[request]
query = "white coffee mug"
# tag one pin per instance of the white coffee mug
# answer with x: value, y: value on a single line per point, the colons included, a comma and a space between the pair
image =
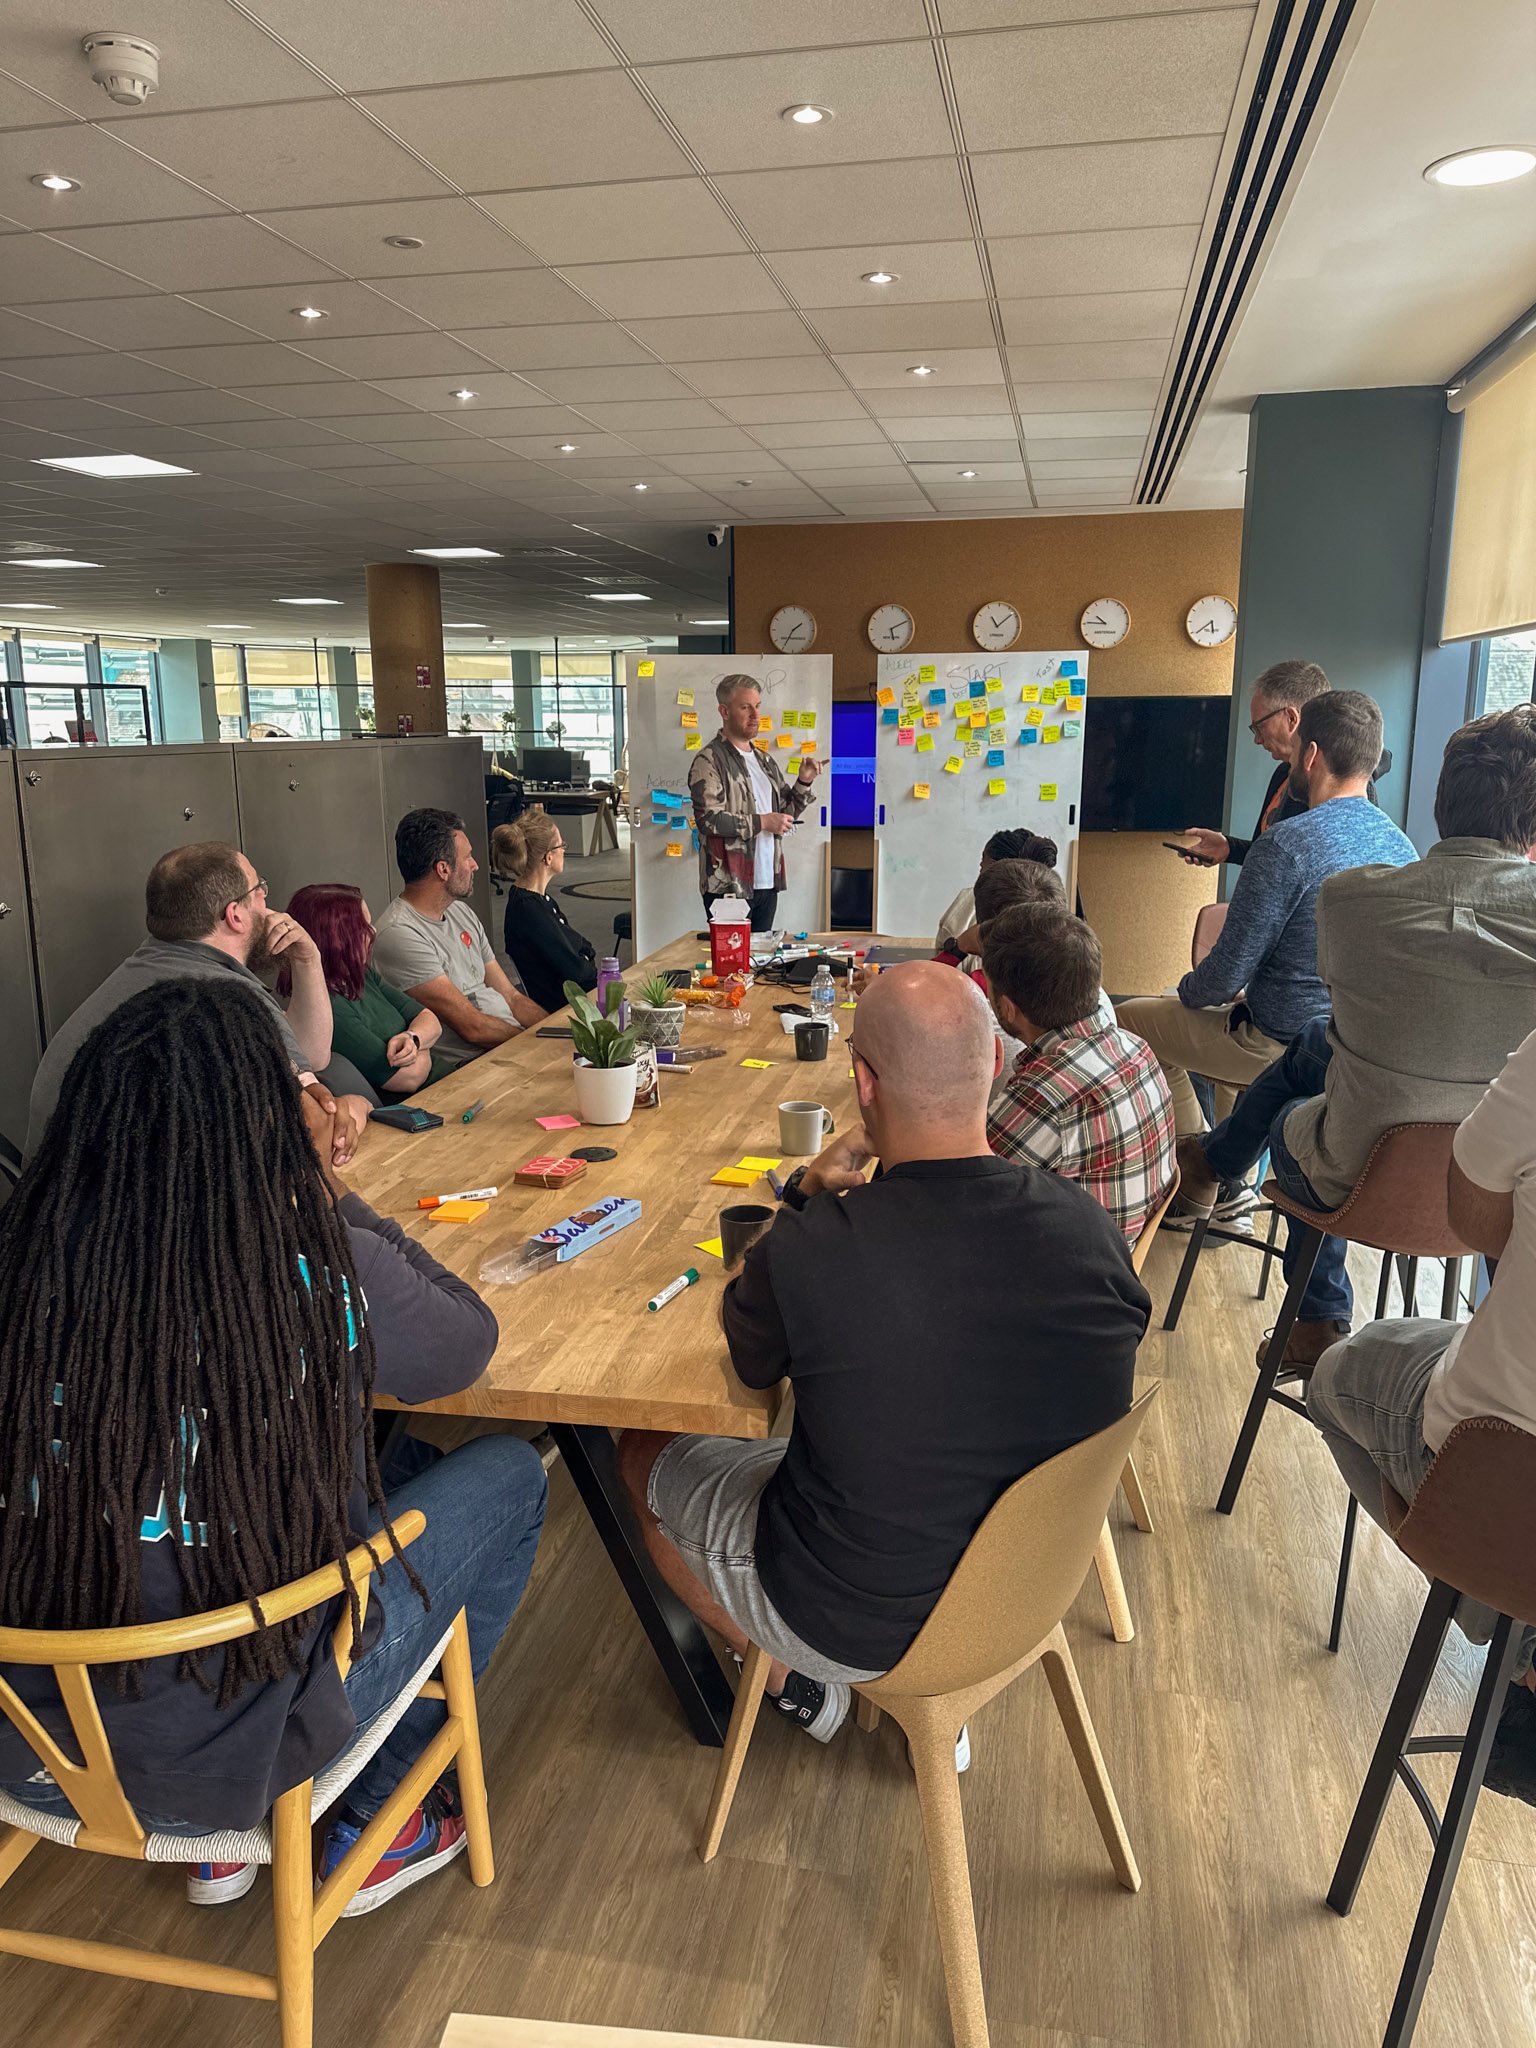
x: 802, y: 1127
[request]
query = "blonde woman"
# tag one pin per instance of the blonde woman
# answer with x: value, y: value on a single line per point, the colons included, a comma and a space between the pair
x: 540, y: 940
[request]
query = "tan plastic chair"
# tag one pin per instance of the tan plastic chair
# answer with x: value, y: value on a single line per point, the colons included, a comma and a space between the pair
x: 1209, y: 919
x: 1105, y: 1558
x: 1000, y: 1613
x: 108, y: 1825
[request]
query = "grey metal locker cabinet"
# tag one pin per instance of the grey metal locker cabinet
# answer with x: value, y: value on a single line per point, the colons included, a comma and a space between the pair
x: 310, y: 813
x: 445, y: 775
x: 20, y: 1038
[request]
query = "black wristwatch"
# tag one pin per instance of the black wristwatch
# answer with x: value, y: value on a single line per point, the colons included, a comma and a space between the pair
x: 795, y: 1196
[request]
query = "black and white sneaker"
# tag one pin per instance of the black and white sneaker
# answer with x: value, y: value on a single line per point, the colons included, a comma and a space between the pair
x: 1234, y: 1207
x: 820, y: 1709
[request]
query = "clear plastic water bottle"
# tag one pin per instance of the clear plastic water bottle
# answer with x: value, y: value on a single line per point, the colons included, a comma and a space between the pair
x: 823, y: 994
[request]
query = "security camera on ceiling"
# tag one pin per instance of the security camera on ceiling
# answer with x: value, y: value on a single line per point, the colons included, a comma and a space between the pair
x: 126, y: 67
x: 717, y: 536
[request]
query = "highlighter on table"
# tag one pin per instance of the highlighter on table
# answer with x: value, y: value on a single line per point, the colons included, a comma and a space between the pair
x: 462, y: 1195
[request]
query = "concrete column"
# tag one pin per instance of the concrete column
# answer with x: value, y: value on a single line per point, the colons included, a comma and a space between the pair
x: 189, y: 710
x: 344, y: 681
x: 405, y: 634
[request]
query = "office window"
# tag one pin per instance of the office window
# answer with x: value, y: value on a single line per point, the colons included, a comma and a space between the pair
x: 130, y: 688
x: 229, y: 693
x: 289, y: 694
x: 366, y: 720
x: 479, y: 693
x: 577, y: 710
x: 1510, y: 671
x: 52, y: 671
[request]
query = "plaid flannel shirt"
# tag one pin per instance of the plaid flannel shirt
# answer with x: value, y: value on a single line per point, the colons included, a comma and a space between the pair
x: 1089, y: 1102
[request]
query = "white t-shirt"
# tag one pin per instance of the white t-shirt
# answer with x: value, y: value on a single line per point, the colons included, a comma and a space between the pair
x: 765, y: 800
x: 1490, y: 1365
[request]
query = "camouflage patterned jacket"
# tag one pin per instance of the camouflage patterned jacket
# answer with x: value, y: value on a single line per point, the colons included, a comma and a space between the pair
x: 725, y: 813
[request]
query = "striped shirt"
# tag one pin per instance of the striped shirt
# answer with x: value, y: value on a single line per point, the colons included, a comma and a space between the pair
x: 1089, y: 1102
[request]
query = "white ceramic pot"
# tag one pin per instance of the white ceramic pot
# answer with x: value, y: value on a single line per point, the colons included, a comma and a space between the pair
x: 604, y: 1095
x: 661, y: 1026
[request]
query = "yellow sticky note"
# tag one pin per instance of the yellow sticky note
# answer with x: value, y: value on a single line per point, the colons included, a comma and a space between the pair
x: 692, y: 743
x: 1047, y: 792
x: 1033, y: 717
x: 784, y: 741
x: 927, y: 673
x: 688, y: 720
x: 683, y: 696
x: 997, y: 716
x: 925, y: 743
x: 1050, y: 736
x: 712, y: 1245
x: 997, y: 786
x: 750, y: 1165
x: 953, y: 765
x: 807, y: 746
x: 732, y: 1176
x: 808, y: 720
x: 458, y: 1212
x: 994, y: 686
x: 931, y: 718
x: 1030, y: 694
x: 1074, y: 703
x: 885, y: 696
x: 920, y: 789
x: 759, y: 1063
x: 646, y: 668
x: 761, y: 746
x: 791, y: 718
x: 674, y: 849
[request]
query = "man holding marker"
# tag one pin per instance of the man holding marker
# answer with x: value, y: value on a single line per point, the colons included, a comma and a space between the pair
x: 743, y: 805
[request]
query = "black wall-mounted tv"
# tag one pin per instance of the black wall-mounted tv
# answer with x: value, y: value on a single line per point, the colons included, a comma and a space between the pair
x: 1154, y: 764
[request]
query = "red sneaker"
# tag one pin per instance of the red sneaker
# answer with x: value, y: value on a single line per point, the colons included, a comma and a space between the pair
x: 432, y: 1837
x: 219, y: 1884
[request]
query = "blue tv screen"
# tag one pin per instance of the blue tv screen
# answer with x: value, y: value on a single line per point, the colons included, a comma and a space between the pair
x: 853, y: 764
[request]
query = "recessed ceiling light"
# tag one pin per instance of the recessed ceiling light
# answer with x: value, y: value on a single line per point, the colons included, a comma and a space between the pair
x: 619, y: 597
x: 51, y: 562
x: 404, y: 242
x: 112, y: 465
x: 967, y: 472
x: 466, y: 394
x: 880, y: 276
x: 27, y: 608
x: 463, y: 625
x: 640, y: 487
x: 1495, y: 165
x: 709, y: 622
x: 568, y: 447
x: 54, y: 181
x: 459, y: 554
x: 920, y: 370
x: 805, y: 115
x: 229, y: 626
x: 306, y: 600
x: 310, y: 313
x: 745, y: 482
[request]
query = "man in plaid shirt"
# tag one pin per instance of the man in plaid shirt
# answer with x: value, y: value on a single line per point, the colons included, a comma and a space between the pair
x: 1086, y: 1098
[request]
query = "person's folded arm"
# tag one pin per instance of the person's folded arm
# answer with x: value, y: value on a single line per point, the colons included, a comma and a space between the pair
x: 754, y: 1328
x: 432, y: 1334
x: 1494, y: 1147
x: 523, y: 1007
x: 1267, y: 892
x: 453, y: 1008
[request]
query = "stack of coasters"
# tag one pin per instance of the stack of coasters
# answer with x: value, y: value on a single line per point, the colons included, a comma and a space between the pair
x: 552, y: 1172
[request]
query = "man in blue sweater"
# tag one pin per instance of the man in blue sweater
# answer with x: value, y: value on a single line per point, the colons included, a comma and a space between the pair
x: 1259, y: 987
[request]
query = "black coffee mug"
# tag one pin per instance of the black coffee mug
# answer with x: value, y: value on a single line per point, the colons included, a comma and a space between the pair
x: 811, y: 1038
x: 740, y: 1226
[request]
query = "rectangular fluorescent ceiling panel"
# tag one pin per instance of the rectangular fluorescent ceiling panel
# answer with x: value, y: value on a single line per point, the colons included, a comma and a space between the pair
x: 306, y: 600
x: 463, y: 625
x: 29, y: 607
x: 709, y: 622
x: 619, y: 597
x: 49, y: 562
x: 459, y: 554
x: 112, y: 465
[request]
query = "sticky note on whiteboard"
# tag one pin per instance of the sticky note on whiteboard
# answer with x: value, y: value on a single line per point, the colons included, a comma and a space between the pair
x: 920, y: 791
x: 683, y: 696
x: 1074, y: 703
x: 1028, y: 736
x: 691, y: 743
x: 1051, y: 735
x: 925, y: 743
x: 997, y: 715
x: 1030, y: 694
x: 808, y: 719
x: 994, y: 685
x: 932, y: 718
x: 935, y: 696
x: 997, y: 786
x: 1068, y: 668
x: 1072, y: 730
x: 953, y: 765
x: 890, y: 714
x: 905, y: 737
x: 1047, y: 792
x: 807, y: 746
x: 928, y: 673
x: 994, y: 757
x: 977, y: 690
x: 674, y: 849
x: 646, y: 668
x: 688, y: 720
x: 1035, y: 717
x: 784, y: 741
x: 661, y: 817
x: 886, y: 696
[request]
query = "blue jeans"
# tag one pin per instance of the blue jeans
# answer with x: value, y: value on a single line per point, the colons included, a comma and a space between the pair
x: 484, y: 1505
x: 1257, y: 1121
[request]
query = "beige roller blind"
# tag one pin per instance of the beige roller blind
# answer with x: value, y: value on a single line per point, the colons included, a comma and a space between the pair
x: 1491, y: 586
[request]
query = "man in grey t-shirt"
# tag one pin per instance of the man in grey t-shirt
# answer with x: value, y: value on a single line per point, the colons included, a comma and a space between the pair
x: 432, y: 945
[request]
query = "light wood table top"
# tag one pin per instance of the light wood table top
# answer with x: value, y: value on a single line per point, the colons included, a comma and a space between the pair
x: 578, y: 1344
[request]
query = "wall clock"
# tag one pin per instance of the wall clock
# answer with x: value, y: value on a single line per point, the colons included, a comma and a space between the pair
x: 890, y: 629
x: 1105, y: 622
x: 792, y: 629
x: 1211, y: 621
x: 996, y: 626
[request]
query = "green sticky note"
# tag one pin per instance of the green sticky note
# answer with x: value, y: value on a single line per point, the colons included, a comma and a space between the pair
x: 925, y: 743
x: 994, y: 685
x: 928, y: 673
x: 1072, y: 730
x: 997, y: 715
x: 953, y: 765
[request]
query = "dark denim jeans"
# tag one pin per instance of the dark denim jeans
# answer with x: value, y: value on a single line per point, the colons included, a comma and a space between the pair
x: 1258, y: 1120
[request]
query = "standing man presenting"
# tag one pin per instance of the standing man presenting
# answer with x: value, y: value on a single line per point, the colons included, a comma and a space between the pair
x: 743, y: 805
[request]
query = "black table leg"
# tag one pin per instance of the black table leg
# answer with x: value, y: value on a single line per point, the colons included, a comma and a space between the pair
x: 692, y: 1669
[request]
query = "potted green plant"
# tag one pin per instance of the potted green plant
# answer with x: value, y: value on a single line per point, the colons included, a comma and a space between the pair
x: 656, y: 1013
x: 604, y: 1056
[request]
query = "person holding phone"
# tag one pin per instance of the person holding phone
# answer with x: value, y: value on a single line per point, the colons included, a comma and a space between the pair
x: 744, y: 806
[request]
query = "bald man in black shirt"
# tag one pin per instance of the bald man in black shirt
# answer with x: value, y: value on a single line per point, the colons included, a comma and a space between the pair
x: 829, y: 1550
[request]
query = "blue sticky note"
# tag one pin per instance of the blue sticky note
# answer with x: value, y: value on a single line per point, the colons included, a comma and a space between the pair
x: 660, y: 796
x: 680, y: 825
x: 994, y: 757
x: 1067, y: 668
x: 889, y: 715
x: 978, y: 689
x: 661, y: 817
x: 1028, y: 736
x: 935, y: 696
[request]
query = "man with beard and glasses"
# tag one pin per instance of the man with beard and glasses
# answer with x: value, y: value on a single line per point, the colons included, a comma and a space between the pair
x: 431, y: 944
x: 205, y: 908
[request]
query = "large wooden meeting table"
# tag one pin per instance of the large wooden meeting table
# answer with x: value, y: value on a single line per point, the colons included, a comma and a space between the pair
x: 579, y: 1348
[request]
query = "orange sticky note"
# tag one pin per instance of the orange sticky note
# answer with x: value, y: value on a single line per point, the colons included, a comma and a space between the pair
x: 458, y: 1212
x: 784, y: 741
x: 688, y: 720
x: 920, y: 790
x: 674, y: 849
x: 885, y: 696
x: 807, y: 746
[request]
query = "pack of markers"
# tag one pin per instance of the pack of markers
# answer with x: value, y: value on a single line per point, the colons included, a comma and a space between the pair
x: 561, y: 1242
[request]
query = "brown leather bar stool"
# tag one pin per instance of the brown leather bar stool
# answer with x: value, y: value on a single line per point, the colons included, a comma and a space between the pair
x: 1468, y: 1530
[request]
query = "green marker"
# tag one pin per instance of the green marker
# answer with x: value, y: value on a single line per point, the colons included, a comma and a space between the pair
x: 683, y: 1281
x: 473, y: 1111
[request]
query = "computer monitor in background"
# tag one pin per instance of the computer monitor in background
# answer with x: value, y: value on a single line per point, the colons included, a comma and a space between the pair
x: 1154, y: 764
x: 853, y: 764
x: 547, y: 764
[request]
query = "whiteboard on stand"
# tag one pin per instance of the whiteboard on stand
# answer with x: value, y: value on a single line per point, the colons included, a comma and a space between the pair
x: 663, y: 690
x: 938, y: 803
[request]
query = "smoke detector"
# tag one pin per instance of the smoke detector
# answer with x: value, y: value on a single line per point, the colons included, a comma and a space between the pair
x: 126, y: 67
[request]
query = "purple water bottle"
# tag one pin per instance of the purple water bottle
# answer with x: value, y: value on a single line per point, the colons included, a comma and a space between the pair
x: 608, y: 970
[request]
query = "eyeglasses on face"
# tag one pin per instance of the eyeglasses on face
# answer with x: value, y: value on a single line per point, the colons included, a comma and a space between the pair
x: 855, y: 1054
x: 259, y: 886
x: 1255, y: 723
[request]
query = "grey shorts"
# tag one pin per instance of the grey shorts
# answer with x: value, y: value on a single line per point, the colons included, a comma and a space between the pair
x: 704, y: 1491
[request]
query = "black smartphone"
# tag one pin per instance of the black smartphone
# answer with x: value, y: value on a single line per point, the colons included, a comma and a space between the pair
x: 404, y: 1118
x: 790, y: 1010
x: 1185, y: 853
x: 553, y: 1031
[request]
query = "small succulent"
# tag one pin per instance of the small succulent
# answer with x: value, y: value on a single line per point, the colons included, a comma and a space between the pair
x: 595, y: 1034
x: 656, y: 993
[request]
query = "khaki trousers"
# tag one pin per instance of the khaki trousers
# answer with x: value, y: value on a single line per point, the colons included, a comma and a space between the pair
x: 1198, y: 1042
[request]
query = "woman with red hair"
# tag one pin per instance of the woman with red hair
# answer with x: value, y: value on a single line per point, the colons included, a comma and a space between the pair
x: 386, y: 1035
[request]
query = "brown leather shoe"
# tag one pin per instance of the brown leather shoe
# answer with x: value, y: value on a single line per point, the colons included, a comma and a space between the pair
x: 1198, y: 1186
x: 1305, y: 1346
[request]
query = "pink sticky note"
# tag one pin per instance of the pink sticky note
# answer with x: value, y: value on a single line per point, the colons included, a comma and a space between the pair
x: 559, y: 1123
x: 905, y: 737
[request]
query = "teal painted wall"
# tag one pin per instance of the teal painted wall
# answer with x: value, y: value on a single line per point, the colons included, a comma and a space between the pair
x: 1336, y: 557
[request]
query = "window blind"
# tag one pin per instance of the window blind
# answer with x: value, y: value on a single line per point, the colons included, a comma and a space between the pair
x: 1491, y: 581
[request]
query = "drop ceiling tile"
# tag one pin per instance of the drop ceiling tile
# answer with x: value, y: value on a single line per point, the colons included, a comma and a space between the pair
x: 944, y: 475
x: 643, y: 380
x: 655, y: 413
x: 1099, y: 81
x: 394, y: 356
x: 1047, y: 361
x: 965, y: 324
x: 868, y: 455
x: 593, y: 446
x: 911, y: 199
x: 924, y: 272
x: 490, y: 424
x: 1092, y: 316
x: 459, y: 449
x: 517, y: 132
x: 455, y: 236
x: 196, y: 255
x: 578, y: 345
x: 976, y: 428
x: 1080, y: 471
x: 964, y: 14
x: 924, y: 401
x: 557, y: 420
x: 1073, y: 189
x: 1086, y: 447
x: 692, y: 440
x: 256, y: 362
x: 859, y: 478
x: 1055, y: 426
x: 378, y: 43
x: 724, y: 466
x: 653, y: 30
x: 68, y: 416
x: 1109, y: 260
x: 794, y: 405
x: 1110, y: 393
x: 350, y: 309
x: 116, y: 184
x: 491, y: 298
x: 320, y: 401
x: 728, y: 110
x: 37, y: 269
x: 748, y: 378
x: 301, y: 436
x: 196, y: 408
x: 794, y: 437
x: 103, y: 375
x: 679, y: 284
x: 616, y: 223
x: 21, y: 337
x: 154, y: 322
x: 20, y: 108
x: 256, y: 158
x: 1083, y: 494
x: 500, y: 398
x: 892, y: 371
x: 724, y: 337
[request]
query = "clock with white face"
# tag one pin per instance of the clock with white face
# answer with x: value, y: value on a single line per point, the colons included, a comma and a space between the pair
x: 890, y: 629
x: 792, y: 629
x: 996, y: 626
x: 1105, y: 622
x: 1211, y: 621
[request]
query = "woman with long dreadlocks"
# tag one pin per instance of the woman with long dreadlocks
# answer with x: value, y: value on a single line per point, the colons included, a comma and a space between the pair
x: 197, y: 1317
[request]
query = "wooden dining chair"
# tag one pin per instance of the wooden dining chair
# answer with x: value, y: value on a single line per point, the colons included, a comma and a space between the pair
x: 105, y: 1823
x: 1000, y: 1612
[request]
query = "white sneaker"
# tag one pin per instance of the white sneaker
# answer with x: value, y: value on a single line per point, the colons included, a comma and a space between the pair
x: 218, y: 1884
x: 962, y: 1750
